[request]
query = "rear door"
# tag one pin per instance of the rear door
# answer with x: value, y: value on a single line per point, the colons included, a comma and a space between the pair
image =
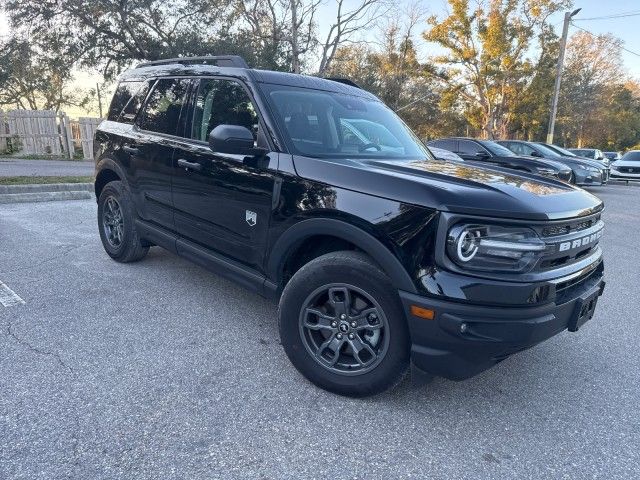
x: 150, y: 150
x: 223, y: 202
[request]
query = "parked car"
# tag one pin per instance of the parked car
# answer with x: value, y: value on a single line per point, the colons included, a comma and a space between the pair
x: 442, y: 154
x: 490, y: 153
x: 376, y: 256
x: 613, y: 156
x: 628, y: 167
x: 583, y: 172
x: 591, y: 154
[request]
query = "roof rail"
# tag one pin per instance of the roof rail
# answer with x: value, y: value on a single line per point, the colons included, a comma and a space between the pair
x: 218, y: 60
x: 346, y: 81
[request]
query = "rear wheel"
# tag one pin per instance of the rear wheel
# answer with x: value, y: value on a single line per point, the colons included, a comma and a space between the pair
x: 116, y: 222
x: 342, y: 325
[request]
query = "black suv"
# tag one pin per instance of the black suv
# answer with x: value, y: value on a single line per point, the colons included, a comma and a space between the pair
x: 313, y: 193
x: 487, y: 151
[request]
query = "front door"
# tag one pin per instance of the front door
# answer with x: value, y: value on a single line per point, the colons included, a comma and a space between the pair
x: 470, y: 150
x: 222, y: 201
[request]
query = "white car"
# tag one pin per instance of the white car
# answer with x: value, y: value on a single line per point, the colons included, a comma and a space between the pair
x: 628, y: 167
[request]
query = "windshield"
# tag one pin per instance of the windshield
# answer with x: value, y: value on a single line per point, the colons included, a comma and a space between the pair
x: 633, y: 156
x: 329, y: 124
x: 583, y: 152
x: 547, y: 152
x: 563, y: 151
x: 497, y: 149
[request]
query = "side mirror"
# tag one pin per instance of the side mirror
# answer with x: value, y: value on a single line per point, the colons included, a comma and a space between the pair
x: 482, y: 154
x: 234, y: 139
x: 534, y: 153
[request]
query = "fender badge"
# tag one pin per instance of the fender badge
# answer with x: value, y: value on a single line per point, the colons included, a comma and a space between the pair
x: 251, y: 218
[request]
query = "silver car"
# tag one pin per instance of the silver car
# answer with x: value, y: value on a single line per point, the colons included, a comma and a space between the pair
x: 628, y: 167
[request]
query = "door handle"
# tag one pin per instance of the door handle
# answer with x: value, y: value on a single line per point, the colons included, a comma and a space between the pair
x: 131, y: 150
x: 189, y: 165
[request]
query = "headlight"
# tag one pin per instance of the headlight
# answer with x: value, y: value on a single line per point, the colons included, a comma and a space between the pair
x: 494, y: 248
x: 591, y: 170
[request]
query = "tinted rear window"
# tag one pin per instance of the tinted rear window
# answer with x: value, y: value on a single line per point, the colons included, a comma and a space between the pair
x: 127, y: 100
x: 161, y: 113
x: 444, y: 144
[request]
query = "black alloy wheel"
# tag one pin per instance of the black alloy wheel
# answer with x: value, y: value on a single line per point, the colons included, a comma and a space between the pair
x: 113, y: 222
x: 344, y: 329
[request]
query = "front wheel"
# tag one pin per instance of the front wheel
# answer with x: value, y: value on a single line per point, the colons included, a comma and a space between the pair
x: 342, y: 325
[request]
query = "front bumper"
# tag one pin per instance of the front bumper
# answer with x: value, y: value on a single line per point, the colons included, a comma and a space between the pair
x: 625, y: 175
x: 588, y: 178
x: 464, y: 339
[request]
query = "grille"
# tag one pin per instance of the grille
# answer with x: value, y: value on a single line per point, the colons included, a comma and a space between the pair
x: 569, y: 241
x: 630, y: 169
x: 569, y: 227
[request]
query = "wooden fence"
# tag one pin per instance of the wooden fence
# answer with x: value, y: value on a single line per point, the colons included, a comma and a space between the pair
x: 45, y: 132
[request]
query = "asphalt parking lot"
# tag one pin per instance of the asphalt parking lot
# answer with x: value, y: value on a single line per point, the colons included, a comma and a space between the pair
x: 163, y: 370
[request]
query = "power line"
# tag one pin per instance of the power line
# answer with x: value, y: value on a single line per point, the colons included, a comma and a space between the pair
x: 609, y: 41
x: 632, y: 13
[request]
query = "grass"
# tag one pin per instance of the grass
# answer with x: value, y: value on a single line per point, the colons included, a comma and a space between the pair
x: 40, y: 180
x: 76, y: 157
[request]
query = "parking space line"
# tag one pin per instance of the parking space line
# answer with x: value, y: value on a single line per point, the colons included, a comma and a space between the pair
x: 8, y: 297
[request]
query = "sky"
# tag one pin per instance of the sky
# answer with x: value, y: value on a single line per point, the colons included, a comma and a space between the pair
x: 625, y: 28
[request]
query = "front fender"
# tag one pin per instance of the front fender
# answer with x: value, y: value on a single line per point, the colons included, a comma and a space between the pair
x: 299, y: 232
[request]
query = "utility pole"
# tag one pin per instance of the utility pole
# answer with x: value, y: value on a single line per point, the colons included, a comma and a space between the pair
x: 556, y: 89
x: 99, y: 99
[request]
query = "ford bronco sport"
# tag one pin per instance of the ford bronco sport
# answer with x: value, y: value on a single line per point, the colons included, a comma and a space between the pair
x: 313, y: 193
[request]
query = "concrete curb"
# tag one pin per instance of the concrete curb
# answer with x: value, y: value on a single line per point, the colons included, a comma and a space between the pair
x: 47, y: 187
x: 45, y: 192
x: 630, y: 183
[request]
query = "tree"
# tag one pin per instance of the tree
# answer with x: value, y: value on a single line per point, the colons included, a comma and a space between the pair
x: 113, y: 34
x: 347, y: 23
x: 486, y: 61
x: 393, y: 72
x: 591, y: 75
x: 33, y: 79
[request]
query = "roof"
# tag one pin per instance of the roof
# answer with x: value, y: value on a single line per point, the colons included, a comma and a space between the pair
x: 162, y: 68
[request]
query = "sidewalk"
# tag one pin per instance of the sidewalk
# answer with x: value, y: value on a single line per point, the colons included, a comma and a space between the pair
x: 18, y: 167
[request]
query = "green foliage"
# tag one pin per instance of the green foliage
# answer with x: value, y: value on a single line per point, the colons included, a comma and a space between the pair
x: 34, y: 78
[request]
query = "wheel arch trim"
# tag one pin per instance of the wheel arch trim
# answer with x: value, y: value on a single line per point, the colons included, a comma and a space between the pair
x: 108, y: 164
x: 299, y: 232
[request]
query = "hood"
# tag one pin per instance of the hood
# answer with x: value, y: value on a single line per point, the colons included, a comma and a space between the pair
x: 626, y: 163
x: 547, y: 161
x: 454, y: 187
x: 583, y: 161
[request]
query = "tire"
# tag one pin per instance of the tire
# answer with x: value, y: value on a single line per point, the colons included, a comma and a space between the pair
x: 120, y: 239
x: 309, y: 318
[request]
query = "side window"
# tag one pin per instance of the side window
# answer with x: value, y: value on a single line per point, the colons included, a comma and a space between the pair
x: 514, y: 147
x: 127, y: 100
x: 162, y: 110
x: 522, y: 149
x: 444, y: 144
x: 468, y: 147
x: 222, y: 102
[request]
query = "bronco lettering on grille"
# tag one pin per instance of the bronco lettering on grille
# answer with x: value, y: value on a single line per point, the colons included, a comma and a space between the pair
x: 580, y: 242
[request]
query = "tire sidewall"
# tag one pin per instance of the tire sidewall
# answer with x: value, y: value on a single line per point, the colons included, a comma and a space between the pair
x: 116, y: 189
x: 364, y: 275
